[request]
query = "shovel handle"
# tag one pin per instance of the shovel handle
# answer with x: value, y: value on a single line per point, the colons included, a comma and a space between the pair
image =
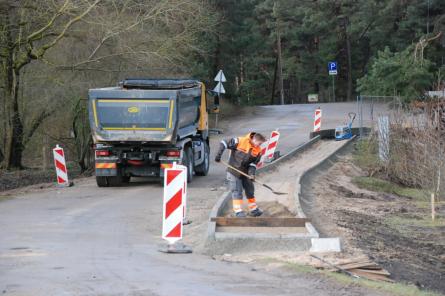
x: 252, y: 178
x: 236, y: 170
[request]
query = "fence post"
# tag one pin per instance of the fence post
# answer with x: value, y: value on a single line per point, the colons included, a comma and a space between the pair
x: 360, y: 114
x: 383, y: 128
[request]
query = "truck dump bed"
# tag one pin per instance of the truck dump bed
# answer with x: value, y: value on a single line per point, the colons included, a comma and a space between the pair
x: 145, y: 110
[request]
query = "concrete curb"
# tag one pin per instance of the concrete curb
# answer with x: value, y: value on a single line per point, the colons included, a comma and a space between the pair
x: 322, y: 163
x: 215, y: 212
x: 297, y: 196
x: 301, y: 148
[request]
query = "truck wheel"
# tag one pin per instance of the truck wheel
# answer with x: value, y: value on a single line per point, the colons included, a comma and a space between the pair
x: 101, y: 181
x: 126, y: 179
x: 203, y: 168
x: 188, y: 162
x: 115, y: 181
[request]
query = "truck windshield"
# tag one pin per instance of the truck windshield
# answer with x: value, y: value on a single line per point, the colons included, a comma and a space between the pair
x: 121, y: 114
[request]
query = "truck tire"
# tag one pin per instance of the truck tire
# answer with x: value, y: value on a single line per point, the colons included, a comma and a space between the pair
x: 188, y: 163
x: 203, y: 168
x: 126, y: 179
x: 101, y: 181
x: 114, y: 181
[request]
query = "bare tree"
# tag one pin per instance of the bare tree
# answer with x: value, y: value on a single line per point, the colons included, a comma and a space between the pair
x: 28, y: 29
x: 87, y: 36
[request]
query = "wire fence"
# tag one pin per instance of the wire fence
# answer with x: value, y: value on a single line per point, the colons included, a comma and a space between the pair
x: 410, y: 140
x: 370, y: 107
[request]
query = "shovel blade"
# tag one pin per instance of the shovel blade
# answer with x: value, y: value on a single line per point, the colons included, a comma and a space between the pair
x: 273, y: 191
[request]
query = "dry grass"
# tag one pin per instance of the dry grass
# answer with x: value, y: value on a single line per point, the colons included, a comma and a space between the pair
x: 416, y: 153
x: 379, y: 185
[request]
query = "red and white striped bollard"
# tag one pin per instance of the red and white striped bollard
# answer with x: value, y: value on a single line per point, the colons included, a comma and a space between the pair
x: 260, y: 164
x: 272, y: 145
x: 317, y: 120
x: 175, y: 180
x: 60, y: 164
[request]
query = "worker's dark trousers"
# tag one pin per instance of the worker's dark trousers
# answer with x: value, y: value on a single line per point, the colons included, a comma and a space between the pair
x: 236, y: 186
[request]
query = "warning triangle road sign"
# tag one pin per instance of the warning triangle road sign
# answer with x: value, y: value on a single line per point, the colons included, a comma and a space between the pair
x: 219, y: 88
x: 220, y: 76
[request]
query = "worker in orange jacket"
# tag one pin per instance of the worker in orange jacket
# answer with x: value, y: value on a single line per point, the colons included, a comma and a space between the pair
x: 244, y: 156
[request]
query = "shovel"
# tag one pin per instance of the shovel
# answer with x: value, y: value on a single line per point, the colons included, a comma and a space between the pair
x: 253, y: 179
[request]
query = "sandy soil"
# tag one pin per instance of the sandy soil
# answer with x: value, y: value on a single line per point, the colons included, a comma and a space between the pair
x: 362, y: 219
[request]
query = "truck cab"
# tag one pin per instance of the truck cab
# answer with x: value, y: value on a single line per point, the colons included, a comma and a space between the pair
x: 143, y: 126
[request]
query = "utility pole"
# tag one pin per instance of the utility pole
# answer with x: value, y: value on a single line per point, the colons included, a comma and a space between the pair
x: 219, y: 89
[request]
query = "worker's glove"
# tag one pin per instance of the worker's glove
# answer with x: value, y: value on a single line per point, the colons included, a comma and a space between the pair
x: 251, y: 171
x: 218, y: 158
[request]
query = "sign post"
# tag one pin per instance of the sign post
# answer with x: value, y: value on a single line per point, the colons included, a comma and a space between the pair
x: 219, y: 89
x: 332, y: 68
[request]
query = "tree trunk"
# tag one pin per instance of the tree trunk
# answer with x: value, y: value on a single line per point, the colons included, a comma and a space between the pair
x: 272, y: 97
x: 14, y: 125
x: 348, y: 52
x: 317, y: 68
x: 14, y: 147
x: 280, y: 67
x: 242, y: 74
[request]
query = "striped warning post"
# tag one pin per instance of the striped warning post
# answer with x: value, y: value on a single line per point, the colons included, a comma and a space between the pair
x: 260, y: 164
x: 184, y: 195
x: 317, y: 120
x: 174, y: 202
x: 59, y: 163
x: 272, y: 145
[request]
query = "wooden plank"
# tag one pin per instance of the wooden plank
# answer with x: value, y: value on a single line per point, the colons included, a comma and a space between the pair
x: 345, y: 262
x: 370, y: 276
x: 260, y: 222
x: 354, y: 260
x: 381, y: 271
x: 365, y: 265
x: 362, y: 267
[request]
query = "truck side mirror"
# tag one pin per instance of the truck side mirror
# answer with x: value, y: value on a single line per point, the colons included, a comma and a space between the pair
x: 215, y: 96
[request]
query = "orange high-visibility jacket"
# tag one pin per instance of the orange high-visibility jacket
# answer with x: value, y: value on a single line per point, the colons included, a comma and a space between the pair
x: 243, y: 154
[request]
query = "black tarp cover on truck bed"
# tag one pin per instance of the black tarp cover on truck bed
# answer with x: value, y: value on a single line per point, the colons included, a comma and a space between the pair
x: 138, y: 83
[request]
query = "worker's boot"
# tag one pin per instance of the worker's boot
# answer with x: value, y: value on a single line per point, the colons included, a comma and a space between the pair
x: 256, y: 212
x: 240, y: 214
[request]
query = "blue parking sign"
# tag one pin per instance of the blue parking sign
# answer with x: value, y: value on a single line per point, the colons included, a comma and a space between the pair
x: 332, y: 68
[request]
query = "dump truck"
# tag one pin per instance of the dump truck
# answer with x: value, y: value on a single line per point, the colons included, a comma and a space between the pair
x: 142, y: 126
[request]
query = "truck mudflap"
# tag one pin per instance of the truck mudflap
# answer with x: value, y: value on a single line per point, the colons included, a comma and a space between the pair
x: 106, y: 169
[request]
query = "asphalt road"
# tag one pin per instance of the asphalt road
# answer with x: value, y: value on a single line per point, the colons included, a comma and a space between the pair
x: 86, y: 240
